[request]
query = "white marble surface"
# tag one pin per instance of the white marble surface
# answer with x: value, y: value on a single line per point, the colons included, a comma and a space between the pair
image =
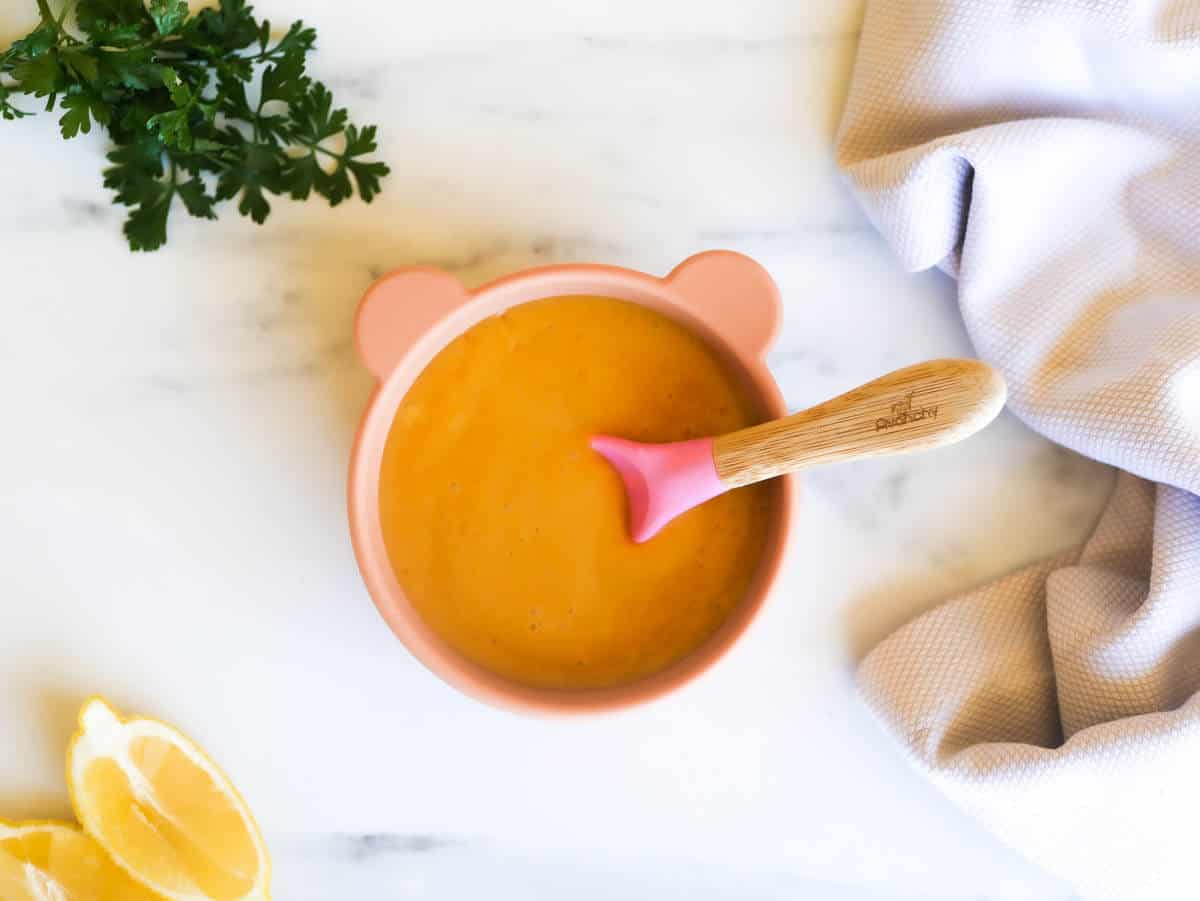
x: 176, y: 427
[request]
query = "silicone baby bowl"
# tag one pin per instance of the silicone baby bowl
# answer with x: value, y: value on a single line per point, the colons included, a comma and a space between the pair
x: 408, y: 316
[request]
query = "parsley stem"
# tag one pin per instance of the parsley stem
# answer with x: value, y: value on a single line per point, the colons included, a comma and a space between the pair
x: 317, y: 148
x: 267, y: 56
x: 57, y: 24
x: 66, y: 11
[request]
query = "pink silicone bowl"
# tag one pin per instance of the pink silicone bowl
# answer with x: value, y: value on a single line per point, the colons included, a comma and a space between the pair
x: 409, y: 315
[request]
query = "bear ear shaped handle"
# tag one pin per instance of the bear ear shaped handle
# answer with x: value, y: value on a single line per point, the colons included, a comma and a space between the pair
x: 728, y: 291
x: 734, y: 295
x: 398, y: 309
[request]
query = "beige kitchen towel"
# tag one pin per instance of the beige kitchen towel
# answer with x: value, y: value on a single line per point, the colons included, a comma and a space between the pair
x: 1047, y: 154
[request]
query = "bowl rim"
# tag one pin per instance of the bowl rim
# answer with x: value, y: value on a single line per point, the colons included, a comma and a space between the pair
x: 460, y: 313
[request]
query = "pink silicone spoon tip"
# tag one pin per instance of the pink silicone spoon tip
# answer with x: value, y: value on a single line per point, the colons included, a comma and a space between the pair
x: 661, y: 480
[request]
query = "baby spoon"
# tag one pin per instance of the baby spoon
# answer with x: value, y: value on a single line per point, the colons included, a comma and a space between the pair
x: 920, y: 407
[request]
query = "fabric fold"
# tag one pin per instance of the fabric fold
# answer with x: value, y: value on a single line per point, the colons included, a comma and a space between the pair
x: 1047, y: 154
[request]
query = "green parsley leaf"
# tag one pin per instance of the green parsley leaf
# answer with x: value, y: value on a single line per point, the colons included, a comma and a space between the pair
x: 230, y: 26
x: 136, y: 167
x: 7, y: 110
x: 173, y: 91
x: 285, y: 80
x: 181, y: 94
x: 315, y: 118
x: 300, y: 174
x: 80, y: 110
x: 368, y: 177
x: 83, y: 64
x: 40, y: 75
x: 93, y: 14
x: 114, y: 23
x: 258, y: 170
x: 254, y: 204
x: 168, y: 15
x: 133, y: 70
x: 298, y: 39
x: 146, y: 227
x: 137, y: 177
x: 36, y: 42
x: 174, y: 128
x: 196, y: 199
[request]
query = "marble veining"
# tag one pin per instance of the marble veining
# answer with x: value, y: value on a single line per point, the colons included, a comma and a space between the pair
x: 376, y: 844
x: 172, y: 471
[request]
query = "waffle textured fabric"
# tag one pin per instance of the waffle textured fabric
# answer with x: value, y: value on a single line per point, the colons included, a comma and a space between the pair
x: 1046, y: 153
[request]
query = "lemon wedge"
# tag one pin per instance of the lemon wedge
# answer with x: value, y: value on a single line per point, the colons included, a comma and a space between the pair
x: 163, y: 811
x: 40, y: 861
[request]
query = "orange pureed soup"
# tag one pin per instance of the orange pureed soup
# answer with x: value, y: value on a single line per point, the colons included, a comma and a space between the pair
x: 508, y: 533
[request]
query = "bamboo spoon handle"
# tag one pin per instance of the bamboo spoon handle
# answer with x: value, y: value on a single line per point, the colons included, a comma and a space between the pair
x: 921, y: 407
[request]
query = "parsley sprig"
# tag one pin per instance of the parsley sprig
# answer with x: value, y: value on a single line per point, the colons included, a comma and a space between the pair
x: 176, y: 93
